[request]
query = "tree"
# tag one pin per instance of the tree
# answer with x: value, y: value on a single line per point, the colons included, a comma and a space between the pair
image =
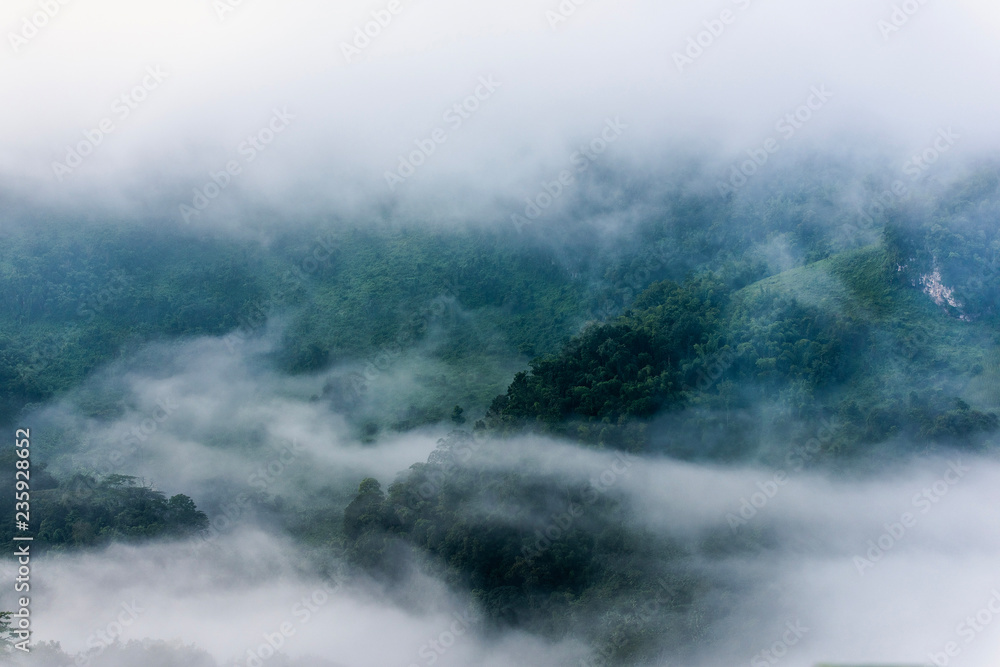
x: 365, y: 511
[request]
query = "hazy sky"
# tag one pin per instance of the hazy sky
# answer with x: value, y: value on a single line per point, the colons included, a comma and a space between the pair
x: 559, y: 82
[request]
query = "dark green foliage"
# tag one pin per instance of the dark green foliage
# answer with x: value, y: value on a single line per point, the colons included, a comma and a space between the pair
x: 959, y: 424
x: 85, y: 511
x: 364, y: 512
x: 510, y: 538
x: 389, y: 285
x: 611, y: 373
x: 781, y: 341
x: 75, y: 298
x: 817, y: 340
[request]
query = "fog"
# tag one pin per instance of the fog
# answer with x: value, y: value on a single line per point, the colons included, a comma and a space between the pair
x: 840, y: 565
x: 879, y: 566
x: 212, y: 418
x: 254, y: 584
x: 242, y: 117
x: 555, y: 85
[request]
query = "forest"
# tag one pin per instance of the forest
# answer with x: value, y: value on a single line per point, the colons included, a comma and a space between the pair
x: 682, y: 340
